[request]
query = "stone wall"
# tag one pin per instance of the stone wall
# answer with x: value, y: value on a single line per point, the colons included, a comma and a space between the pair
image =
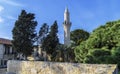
x: 39, y: 67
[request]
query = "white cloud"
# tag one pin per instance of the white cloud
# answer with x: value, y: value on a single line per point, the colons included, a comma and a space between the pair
x: 11, y: 17
x: 10, y: 2
x: 1, y: 8
x: 1, y: 20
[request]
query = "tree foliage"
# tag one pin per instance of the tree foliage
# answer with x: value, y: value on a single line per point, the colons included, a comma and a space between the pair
x: 103, y: 45
x: 44, y: 29
x: 24, y: 33
x: 79, y: 35
x: 63, y: 54
x: 51, y: 41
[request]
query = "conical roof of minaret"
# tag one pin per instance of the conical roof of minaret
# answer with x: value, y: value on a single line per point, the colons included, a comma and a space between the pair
x: 66, y: 10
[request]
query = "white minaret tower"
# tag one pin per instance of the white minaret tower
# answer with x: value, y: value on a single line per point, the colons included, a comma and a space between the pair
x: 67, y: 25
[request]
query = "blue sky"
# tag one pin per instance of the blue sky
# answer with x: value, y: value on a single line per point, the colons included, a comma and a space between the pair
x: 84, y: 14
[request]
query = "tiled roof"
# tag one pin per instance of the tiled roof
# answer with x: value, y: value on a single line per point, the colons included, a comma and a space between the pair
x: 5, y: 41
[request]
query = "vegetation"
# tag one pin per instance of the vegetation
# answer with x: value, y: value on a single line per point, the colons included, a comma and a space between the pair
x: 50, y: 44
x: 24, y: 33
x: 63, y: 54
x: 51, y: 40
x: 119, y: 72
x: 103, y: 45
x: 42, y: 33
x: 79, y: 35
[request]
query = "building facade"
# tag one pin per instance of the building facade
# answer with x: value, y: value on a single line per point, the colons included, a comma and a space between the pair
x: 6, y: 51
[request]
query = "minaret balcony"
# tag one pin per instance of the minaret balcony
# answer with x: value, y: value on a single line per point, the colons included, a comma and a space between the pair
x: 69, y: 23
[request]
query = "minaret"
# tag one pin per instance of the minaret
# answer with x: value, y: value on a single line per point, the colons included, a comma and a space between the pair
x: 67, y: 25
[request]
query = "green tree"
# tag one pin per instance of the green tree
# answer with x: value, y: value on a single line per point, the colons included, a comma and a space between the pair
x: 63, y: 54
x: 69, y: 52
x: 42, y: 33
x: 51, y: 41
x: 24, y: 33
x: 58, y: 54
x: 101, y: 56
x: 81, y: 52
x: 102, y: 46
x: 116, y: 56
x: 79, y: 35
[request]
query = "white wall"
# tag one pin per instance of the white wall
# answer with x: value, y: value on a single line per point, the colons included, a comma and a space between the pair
x: 1, y: 50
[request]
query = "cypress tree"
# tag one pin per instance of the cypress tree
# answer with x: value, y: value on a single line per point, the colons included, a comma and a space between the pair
x: 51, y: 41
x: 24, y: 33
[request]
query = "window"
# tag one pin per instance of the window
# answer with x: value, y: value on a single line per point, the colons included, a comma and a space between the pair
x: 7, y: 49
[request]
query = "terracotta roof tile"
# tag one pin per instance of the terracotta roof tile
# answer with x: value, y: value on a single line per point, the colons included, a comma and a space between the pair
x: 5, y: 41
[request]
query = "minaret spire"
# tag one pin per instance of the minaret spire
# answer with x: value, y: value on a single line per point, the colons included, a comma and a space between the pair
x: 67, y: 25
x: 66, y: 9
x: 66, y: 16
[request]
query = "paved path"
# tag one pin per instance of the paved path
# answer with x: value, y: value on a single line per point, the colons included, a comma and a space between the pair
x: 3, y: 70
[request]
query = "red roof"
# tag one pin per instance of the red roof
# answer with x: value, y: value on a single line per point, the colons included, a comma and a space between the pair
x: 5, y: 41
